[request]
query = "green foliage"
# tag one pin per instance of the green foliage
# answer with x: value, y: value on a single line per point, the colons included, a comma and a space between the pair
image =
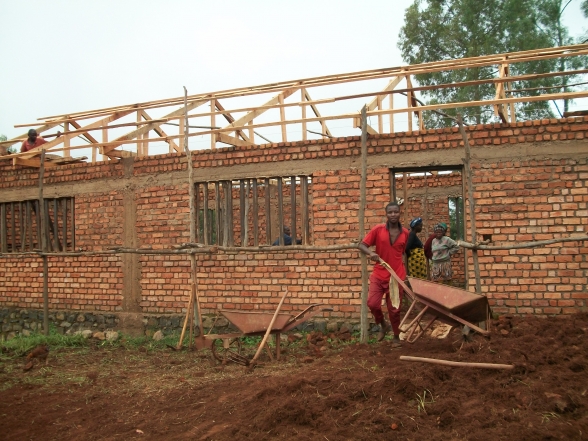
x: 452, y: 29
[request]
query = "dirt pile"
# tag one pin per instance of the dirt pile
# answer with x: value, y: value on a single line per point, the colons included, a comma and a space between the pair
x: 345, y: 392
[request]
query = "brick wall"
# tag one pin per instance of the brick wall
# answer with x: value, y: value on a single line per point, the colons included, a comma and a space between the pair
x: 530, y: 183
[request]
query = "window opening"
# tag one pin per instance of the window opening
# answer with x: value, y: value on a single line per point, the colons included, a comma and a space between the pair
x: 254, y: 211
x: 20, y: 225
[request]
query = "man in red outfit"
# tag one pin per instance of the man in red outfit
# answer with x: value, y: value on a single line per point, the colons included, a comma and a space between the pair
x: 32, y: 142
x: 390, y: 241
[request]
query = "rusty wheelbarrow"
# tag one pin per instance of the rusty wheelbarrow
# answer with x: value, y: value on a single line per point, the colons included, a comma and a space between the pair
x: 450, y: 305
x: 228, y: 347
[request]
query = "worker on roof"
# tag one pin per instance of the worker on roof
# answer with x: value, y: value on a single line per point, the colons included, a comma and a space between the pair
x: 32, y: 142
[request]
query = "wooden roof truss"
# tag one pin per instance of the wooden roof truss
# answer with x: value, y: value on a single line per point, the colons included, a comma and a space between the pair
x: 282, y: 112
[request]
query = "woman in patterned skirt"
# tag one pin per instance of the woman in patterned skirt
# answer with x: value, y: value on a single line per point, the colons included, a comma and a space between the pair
x: 443, y: 248
x: 417, y: 264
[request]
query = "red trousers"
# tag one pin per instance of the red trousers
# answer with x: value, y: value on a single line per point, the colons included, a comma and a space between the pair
x: 379, y: 288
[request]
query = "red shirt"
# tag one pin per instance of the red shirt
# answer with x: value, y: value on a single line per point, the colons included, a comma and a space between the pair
x: 390, y: 253
x: 26, y: 146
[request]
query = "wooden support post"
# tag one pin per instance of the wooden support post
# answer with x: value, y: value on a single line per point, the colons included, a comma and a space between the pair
x: 205, y: 215
x: 471, y: 200
x: 72, y: 224
x: 66, y: 141
x: 23, y: 226
x: 280, y: 211
x: 42, y: 231
x: 405, y: 194
x: 64, y: 222
x: 391, y: 115
x: 12, y: 228
x: 283, y: 117
x: 362, y: 204
x: 194, y: 298
x: 293, y: 204
x: 217, y: 209
x: 304, y: 209
x: 303, y: 109
x: 409, y: 102
x: 243, y: 219
x: 255, y: 213
x: 213, y: 123
x: 268, y: 212
x: 55, y: 224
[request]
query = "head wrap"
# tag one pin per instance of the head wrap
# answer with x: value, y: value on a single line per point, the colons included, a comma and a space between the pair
x: 416, y: 221
x: 441, y: 226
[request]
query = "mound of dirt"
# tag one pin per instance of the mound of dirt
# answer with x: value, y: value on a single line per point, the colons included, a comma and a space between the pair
x: 348, y: 392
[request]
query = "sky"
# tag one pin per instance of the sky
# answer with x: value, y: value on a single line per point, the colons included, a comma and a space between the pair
x: 65, y: 56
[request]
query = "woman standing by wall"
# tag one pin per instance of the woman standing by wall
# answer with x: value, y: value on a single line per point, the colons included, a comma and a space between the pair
x: 443, y: 248
x: 417, y: 264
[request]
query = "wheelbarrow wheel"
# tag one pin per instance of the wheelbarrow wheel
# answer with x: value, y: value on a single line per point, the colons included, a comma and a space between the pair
x: 228, y: 349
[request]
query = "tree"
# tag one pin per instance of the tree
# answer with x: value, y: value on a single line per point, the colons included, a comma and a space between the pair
x: 450, y: 29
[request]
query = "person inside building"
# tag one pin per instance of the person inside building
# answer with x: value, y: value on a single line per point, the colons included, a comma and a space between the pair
x: 32, y: 141
x: 443, y: 248
x: 287, y: 238
x: 415, y: 253
x: 390, y: 241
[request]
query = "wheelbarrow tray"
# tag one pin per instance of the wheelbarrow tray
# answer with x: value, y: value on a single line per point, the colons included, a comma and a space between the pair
x: 252, y: 322
x: 451, y: 301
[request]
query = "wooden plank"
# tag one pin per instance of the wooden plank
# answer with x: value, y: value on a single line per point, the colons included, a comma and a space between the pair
x: 231, y: 228
x: 231, y: 140
x: 199, y: 238
x: 255, y: 212
x: 303, y: 109
x: 293, y: 205
x: 280, y: 211
x: 217, y: 208
x: 213, y: 123
x: 34, y: 162
x: 283, y: 118
x: 226, y: 190
x: 268, y: 212
x: 28, y: 226
x: 206, y: 217
x: 243, y: 226
x: 305, y: 209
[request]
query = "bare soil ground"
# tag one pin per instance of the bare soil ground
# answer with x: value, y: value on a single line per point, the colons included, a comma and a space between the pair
x: 349, y: 392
